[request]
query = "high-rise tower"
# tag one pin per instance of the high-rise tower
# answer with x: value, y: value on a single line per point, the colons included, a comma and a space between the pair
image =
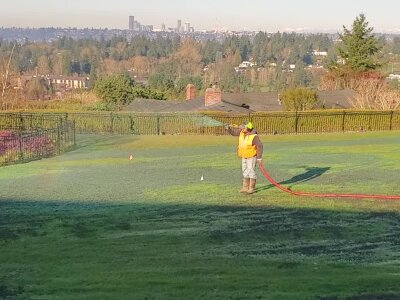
x: 131, y: 23
x: 187, y: 26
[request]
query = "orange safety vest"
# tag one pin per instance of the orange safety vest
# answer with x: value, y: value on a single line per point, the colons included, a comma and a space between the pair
x: 246, y: 149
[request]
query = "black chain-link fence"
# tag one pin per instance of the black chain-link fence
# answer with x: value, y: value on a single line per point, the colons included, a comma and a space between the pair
x: 212, y: 123
x: 27, y: 137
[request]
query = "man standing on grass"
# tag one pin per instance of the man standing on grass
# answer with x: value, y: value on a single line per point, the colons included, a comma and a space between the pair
x: 250, y: 149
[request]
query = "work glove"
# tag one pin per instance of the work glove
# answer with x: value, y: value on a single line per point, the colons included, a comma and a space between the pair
x: 259, y: 160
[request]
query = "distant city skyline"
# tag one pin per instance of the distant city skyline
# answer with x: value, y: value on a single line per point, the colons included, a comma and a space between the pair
x: 272, y: 16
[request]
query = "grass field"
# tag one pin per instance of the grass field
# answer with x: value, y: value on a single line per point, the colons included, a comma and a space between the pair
x: 91, y: 224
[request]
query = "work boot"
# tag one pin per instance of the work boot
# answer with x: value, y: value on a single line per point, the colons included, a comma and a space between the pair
x: 252, y: 186
x: 245, y: 186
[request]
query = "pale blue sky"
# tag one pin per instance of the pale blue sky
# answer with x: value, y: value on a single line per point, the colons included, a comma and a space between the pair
x: 316, y: 15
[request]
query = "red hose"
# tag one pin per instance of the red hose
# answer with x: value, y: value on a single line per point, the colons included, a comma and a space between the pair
x: 286, y: 190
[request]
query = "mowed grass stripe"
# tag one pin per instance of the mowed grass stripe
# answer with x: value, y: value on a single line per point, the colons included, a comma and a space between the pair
x: 92, y: 224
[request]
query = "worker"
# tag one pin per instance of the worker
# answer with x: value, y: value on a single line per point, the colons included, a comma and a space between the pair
x: 250, y: 150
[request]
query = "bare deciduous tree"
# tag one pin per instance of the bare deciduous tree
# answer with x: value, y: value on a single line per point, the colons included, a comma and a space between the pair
x: 5, y: 73
x: 375, y: 94
x: 189, y: 58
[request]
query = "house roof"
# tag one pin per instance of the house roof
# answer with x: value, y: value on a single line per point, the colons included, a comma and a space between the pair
x: 270, y: 101
x: 336, y: 99
x: 148, y: 105
x: 239, y: 103
x: 255, y: 101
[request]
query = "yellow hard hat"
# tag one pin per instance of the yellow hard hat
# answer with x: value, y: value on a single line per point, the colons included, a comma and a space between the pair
x: 249, y: 125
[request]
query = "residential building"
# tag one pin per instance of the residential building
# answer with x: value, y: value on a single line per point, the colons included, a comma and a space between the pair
x: 68, y: 82
x: 394, y: 77
x: 320, y: 53
x: 58, y: 82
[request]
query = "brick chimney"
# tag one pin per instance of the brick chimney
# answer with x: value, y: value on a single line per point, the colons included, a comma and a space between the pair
x: 212, y: 96
x: 190, y: 92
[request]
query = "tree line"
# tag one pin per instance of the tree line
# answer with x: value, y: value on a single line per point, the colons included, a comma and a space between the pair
x: 171, y: 62
x: 167, y: 64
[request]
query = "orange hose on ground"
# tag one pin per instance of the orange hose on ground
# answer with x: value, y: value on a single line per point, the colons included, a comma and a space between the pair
x: 286, y: 190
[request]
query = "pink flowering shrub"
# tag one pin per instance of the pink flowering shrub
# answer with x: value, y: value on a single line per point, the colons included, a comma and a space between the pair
x: 31, y: 146
x: 7, y: 133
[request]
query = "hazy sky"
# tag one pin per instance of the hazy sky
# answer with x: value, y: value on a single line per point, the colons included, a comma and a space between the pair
x: 316, y: 15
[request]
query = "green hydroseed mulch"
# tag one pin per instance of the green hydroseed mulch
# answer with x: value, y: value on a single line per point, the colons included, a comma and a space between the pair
x: 92, y: 224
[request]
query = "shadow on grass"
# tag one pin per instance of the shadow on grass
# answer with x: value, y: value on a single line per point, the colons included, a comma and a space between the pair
x: 309, y: 174
x: 243, y: 245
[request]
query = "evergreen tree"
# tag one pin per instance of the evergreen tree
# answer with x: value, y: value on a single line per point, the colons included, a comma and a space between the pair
x: 359, y: 47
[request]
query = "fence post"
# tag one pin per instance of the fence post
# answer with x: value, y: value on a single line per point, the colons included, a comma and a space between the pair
x: 203, y: 121
x: 20, y: 129
x: 158, y: 124
x: 62, y: 133
x: 131, y: 125
x: 343, y: 120
x: 21, y: 152
x: 73, y: 132
x: 369, y: 121
x: 21, y: 122
x: 296, y: 123
x: 111, y: 122
x: 391, y: 120
x: 58, y: 140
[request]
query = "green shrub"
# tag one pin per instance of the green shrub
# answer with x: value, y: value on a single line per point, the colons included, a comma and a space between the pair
x: 114, y: 89
x: 299, y: 99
